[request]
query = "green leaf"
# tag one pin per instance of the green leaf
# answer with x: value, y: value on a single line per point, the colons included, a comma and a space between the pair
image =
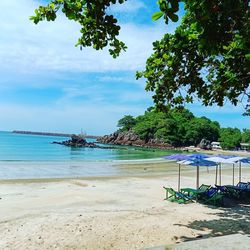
x: 157, y: 15
x: 247, y: 56
x: 173, y: 17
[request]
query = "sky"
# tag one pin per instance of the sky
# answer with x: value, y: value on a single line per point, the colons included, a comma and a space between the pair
x: 48, y: 84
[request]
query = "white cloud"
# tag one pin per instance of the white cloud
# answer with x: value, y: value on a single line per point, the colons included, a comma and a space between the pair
x: 95, y: 93
x: 136, y: 96
x: 130, y: 6
x: 30, y: 49
x: 128, y: 79
x: 116, y: 79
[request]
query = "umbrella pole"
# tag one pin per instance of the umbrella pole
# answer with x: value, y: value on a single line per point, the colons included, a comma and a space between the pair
x: 220, y: 174
x: 240, y: 172
x: 179, y: 178
x: 233, y: 174
x: 216, y: 174
x: 197, y: 178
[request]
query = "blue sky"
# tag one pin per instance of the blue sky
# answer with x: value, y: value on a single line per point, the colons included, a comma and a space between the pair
x: 47, y: 84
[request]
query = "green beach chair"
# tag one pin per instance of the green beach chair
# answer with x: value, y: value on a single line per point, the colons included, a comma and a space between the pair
x: 215, y: 200
x: 174, y: 196
x: 195, y: 193
x: 204, y: 187
x: 212, y: 196
x: 240, y: 191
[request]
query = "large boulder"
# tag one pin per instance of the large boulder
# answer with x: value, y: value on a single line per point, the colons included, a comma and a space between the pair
x: 205, y: 144
x: 76, y: 139
x: 131, y: 139
x: 79, y: 141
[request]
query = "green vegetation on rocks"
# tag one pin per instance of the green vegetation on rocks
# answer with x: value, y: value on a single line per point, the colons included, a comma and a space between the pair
x: 246, y: 136
x: 181, y: 128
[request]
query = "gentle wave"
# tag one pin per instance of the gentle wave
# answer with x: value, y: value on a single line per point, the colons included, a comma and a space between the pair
x: 33, y: 156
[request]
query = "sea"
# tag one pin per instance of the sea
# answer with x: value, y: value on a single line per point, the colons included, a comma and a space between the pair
x: 25, y: 156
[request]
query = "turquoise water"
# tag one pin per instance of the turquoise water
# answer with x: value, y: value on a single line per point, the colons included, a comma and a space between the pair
x: 33, y: 156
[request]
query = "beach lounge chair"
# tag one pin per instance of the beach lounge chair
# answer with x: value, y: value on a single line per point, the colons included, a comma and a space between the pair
x: 243, y: 185
x: 215, y: 200
x: 245, y: 189
x: 212, y: 196
x: 204, y: 187
x: 241, y: 190
x: 174, y: 196
x: 222, y: 189
x: 194, y: 193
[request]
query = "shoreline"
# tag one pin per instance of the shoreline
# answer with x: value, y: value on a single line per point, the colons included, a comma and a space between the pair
x: 125, y: 212
x: 118, y: 169
x: 132, y: 169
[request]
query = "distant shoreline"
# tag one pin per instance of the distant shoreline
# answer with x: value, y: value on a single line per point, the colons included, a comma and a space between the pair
x: 48, y: 134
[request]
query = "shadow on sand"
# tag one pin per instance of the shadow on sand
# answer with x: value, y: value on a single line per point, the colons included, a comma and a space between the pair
x: 231, y: 221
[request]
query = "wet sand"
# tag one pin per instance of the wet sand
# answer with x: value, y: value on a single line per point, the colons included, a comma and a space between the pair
x: 126, y: 212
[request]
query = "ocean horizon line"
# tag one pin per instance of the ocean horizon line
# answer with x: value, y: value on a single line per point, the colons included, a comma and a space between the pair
x: 45, y: 133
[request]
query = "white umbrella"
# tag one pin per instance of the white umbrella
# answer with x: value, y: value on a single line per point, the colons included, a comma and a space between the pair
x: 217, y: 160
x: 197, y: 163
x: 232, y: 160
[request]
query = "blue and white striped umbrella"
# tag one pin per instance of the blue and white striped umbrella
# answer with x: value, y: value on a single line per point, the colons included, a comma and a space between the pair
x: 197, y: 163
x: 245, y: 160
x: 176, y: 157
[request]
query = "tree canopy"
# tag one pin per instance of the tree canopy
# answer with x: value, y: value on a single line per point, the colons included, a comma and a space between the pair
x: 207, y: 57
x: 182, y: 128
x: 246, y: 136
x: 178, y: 128
x: 126, y: 123
x: 230, y: 138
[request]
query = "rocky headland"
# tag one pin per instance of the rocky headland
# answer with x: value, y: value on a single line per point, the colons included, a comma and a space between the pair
x: 128, y: 138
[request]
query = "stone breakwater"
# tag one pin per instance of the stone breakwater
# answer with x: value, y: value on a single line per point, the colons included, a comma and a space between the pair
x: 131, y: 139
x: 48, y: 134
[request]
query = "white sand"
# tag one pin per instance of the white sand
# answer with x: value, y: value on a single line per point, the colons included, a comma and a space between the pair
x: 111, y: 213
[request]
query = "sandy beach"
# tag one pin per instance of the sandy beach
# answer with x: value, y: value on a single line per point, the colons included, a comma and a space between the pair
x: 113, y: 213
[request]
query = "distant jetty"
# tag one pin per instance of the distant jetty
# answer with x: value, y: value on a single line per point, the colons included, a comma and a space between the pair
x: 49, y: 134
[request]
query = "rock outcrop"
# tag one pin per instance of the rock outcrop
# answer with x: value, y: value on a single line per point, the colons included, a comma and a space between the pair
x: 78, y: 141
x: 205, y: 144
x: 130, y: 139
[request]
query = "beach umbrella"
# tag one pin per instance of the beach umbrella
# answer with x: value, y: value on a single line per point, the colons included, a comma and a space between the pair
x: 179, y: 158
x: 176, y: 157
x: 197, y: 163
x: 244, y: 160
x: 225, y: 156
x: 240, y: 160
x: 199, y: 156
x: 218, y: 160
x: 236, y: 159
x: 228, y: 159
